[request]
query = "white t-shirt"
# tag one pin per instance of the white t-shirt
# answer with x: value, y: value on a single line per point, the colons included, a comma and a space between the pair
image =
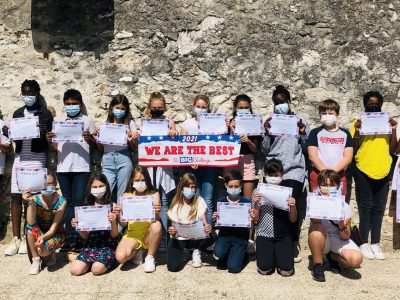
x: 191, y: 126
x: 180, y: 213
x: 3, y: 140
x: 75, y: 157
x: 113, y: 148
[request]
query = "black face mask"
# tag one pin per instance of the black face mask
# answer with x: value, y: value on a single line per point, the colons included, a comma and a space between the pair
x: 156, y: 113
x: 373, y: 108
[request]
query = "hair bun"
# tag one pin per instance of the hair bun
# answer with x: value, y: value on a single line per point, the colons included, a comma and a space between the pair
x: 280, y: 88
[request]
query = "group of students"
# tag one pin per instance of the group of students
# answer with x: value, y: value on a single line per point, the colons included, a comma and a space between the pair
x: 320, y: 155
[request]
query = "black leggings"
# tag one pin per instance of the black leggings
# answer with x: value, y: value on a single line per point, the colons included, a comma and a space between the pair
x: 176, y: 250
x: 274, y: 253
x: 301, y: 205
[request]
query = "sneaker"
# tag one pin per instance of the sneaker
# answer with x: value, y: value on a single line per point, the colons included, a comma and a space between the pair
x: 196, y: 258
x: 67, y: 246
x: 318, y: 273
x: 297, y: 252
x: 251, y: 248
x: 377, y: 251
x: 35, y: 266
x: 79, y: 244
x: 367, y: 251
x: 13, y: 246
x: 51, y: 260
x: 334, y: 266
x: 149, y: 264
x: 138, y: 258
x: 23, y: 249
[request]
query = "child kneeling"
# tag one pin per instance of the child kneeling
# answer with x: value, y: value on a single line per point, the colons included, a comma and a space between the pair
x: 331, y: 237
x: 274, y: 240
x: 231, y: 246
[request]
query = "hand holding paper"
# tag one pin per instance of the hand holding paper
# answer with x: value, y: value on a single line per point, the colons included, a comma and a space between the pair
x: 284, y: 125
x: 93, y: 218
x: 212, y: 124
x: 325, y: 207
x: 375, y: 123
x: 274, y: 195
x: 233, y: 214
x: 191, y: 231
x: 154, y: 127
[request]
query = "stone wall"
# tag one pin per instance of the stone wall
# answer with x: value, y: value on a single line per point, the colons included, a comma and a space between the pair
x: 319, y: 49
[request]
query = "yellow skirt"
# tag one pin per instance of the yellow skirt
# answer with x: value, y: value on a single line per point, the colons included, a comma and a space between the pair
x: 137, y: 231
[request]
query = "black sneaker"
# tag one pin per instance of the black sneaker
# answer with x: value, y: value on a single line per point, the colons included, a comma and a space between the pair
x: 67, y: 246
x: 318, y: 273
x: 334, y: 266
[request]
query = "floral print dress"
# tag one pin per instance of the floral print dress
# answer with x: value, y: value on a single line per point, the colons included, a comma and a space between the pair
x: 100, y: 247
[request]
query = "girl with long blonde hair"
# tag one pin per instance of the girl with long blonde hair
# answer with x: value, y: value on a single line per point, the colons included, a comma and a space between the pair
x: 187, y: 207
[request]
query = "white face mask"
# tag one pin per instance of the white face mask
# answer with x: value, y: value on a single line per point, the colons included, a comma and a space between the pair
x: 140, y: 186
x: 98, y: 193
x: 328, y: 120
x: 197, y: 111
x: 273, y: 179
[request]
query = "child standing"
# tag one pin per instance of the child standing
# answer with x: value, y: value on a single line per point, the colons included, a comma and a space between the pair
x: 161, y: 177
x: 249, y: 146
x: 231, y: 245
x: 117, y: 162
x: 274, y: 240
x: 373, y: 162
x: 331, y: 237
x: 290, y: 151
x: 98, y: 255
x: 206, y: 176
x: 28, y: 153
x: 329, y: 146
x: 44, y: 215
x: 5, y: 147
x: 186, y: 207
x: 73, y: 167
x: 140, y: 235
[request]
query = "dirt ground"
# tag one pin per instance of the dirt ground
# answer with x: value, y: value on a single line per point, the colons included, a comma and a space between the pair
x: 375, y: 279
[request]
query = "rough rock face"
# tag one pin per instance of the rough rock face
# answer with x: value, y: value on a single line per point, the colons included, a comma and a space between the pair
x: 319, y: 49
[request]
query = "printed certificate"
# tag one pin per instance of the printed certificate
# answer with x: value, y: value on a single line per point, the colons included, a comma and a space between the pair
x: 25, y: 128
x: 191, y: 231
x: 325, y: 207
x: 212, y: 124
x: 375, y: 123
x: 137, y: 208
x: 68, y: 131
x: 92, y: 218
x: 154, y: 127
x: 284, y: 125
x: 274, y: 195
x: 113, y: 134
x: 250, y: 125
x: 33, y: 179
x: 233, y: 214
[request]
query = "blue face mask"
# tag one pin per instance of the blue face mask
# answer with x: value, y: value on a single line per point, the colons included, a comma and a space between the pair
x: 72, y: 110
x: 234, y: 192
x: 188, y: 193
x: 197, y: 111
x: 118, y: 113
x: 282, y: 109
x: 243, y: 111
x: 50, y: 190
x: 29, y: 100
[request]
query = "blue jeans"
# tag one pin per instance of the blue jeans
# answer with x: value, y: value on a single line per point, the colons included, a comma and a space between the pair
x: 117, y: 167
x: 206, y: 179
x: 165, y: 201
x: 73, y: 187
x: 232, y: 251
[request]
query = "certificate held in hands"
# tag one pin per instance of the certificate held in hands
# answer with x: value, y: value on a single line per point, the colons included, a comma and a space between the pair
x: 154, y: 127
x: 274, y: 195
x: 284, y: 125
x: 250, y: 125
x: 33, y: 179
x: 113, y: 134
x: 68, y: 131
x: 92, y: 218
x: 191, y: 231
x: 233, y: 214
x: 25, y: 128
x: 325, y: 207
x: 212, y: 124
x: 137, y: 209
x: 375, y: 123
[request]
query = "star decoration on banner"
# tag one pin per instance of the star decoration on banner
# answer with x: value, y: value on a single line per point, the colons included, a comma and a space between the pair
x: 231, y: 137
x: 207, y: 137
x: 149, y: 138
x: 219, y: 137
x: 161, y: 138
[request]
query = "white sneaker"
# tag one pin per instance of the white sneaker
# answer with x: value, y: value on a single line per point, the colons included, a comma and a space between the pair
x: 23, y: 249
x: 51, y: 260
x: 297, y: 253
x: 149, y: 264
x: 367, y: 251
x: 196, y: 259
x: 35, y: 266
x: 13, y: 246
x: 377, y: 251
x: 251, y: 248
x: 138, y: 258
